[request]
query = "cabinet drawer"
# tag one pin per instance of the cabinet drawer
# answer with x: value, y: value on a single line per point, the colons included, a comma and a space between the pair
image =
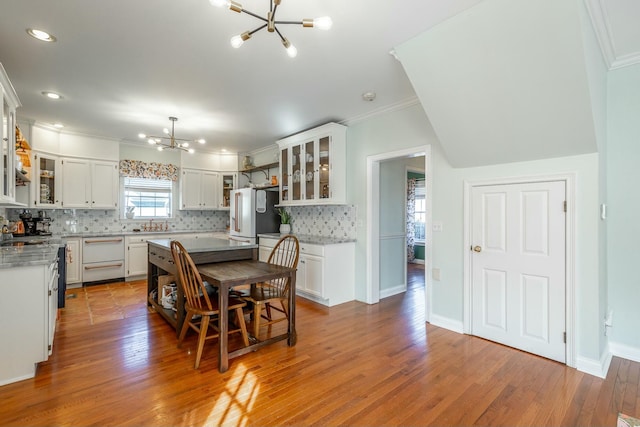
x: 308, y: 249
x: 100, y: 249
x: 138, y: 239
x: 102, y: 271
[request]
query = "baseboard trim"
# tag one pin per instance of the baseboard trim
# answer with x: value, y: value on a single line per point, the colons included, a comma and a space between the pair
x: 446, y: 323
x: 624, y: 351
x: 597, y: 368
x: 384, y: 293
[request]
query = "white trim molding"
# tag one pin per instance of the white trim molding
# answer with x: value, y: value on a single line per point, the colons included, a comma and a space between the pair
x: 597, y: 368
x: 446, y: 323
x: 602, y: 27
x: 624, y: 351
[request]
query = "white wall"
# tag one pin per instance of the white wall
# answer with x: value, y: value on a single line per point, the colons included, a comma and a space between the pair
x: 411, y: 128
x: 149, y: 155
x: 623, y: 226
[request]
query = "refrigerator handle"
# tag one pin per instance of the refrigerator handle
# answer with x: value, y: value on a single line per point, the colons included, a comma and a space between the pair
x: 237, y: 200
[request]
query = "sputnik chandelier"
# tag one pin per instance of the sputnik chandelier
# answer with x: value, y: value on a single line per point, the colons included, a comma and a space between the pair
x: 174, y: 143
x: 323, y: 23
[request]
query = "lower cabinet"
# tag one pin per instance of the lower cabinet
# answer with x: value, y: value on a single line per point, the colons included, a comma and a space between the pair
x: 325, y: 274
x: 28, y: 317
x: 102, y: 258
x: 74, y: 260
x: 136, y: 257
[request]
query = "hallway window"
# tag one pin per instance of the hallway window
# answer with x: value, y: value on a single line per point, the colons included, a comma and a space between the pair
x: 420, y: 212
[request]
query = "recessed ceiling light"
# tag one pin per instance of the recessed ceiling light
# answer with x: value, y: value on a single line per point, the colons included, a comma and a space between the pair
x: 52, y: 95
x: 58, y: 125
x: 41, y: 35
x: 369, y: 96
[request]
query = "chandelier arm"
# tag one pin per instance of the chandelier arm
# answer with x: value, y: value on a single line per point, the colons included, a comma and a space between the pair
x: 289, y: 22
x: 254, y: 15
x: 257, y: 29
x: 280, y: 34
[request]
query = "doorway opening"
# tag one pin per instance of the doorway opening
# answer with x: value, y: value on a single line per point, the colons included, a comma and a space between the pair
x: 387, y: 248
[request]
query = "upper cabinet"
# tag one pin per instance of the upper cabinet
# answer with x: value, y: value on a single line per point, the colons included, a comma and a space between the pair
x: 91, y: 184
x: 313, y: 166
x: 47, y: 182
x: 9, y: 104
x: 199, y: 190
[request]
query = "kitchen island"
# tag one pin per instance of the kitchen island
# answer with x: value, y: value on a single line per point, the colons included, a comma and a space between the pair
x: 203, y: 251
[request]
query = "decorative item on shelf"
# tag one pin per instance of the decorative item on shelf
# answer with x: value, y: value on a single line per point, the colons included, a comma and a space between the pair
x: 22, y: 149
x: 174, y: 143
x: 247, y: 162
x: 323, y: 23
x: 274, y: 180
x: 285, y: 221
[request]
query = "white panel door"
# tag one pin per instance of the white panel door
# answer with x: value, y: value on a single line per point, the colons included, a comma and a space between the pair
x: 518, y: 266
x: 209, y: 185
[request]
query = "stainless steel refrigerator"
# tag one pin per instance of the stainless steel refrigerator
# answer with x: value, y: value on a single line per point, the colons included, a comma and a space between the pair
x: 253, y: 212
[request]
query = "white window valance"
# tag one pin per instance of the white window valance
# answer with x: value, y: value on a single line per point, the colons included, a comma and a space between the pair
x: 140, y: 169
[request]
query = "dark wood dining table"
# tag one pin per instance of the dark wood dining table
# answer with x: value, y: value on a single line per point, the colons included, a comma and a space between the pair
x: 226, y: 275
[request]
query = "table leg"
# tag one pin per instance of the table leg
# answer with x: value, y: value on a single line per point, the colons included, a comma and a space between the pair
x: 293, y: 336
x: 223, y: 339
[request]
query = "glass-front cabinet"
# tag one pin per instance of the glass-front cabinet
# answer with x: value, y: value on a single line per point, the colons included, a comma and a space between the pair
x: 9, y: 104
x: 228, y: 182
x: 46, y: 179
x: 313, y: 166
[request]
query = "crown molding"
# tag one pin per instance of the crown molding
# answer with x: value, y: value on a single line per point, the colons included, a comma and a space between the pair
x: 602, y: 27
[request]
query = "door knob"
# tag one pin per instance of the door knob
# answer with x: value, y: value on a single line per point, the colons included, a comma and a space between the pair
x: 477, y: 249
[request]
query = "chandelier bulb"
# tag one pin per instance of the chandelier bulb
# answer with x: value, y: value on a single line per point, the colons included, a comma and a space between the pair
x: 238, y: 40
x: 219, y: 3
x: 291, y: 49
x: 191, y: 150
x: 201, y: 141
x: 151, y: 141
x: 160, y: 148
x: 142, y: 136
x: 323, y: 23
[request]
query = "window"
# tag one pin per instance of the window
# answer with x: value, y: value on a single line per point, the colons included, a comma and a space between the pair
x: 148, y: 198
x: 420, y: 217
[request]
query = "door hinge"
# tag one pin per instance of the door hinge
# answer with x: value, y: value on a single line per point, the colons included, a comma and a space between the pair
x: 49, y: 293
x: 564, y: 337
x: 564, y: 206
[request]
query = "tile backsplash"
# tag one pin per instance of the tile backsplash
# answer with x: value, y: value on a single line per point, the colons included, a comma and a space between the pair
x: 326, y: 221
x: 109, y: 221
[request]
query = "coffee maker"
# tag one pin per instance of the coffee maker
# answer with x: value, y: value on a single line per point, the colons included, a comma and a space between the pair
x: 36, y: 226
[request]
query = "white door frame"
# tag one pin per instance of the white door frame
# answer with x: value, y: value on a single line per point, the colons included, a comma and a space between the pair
x: 569, y: 180
x: 373, y: 220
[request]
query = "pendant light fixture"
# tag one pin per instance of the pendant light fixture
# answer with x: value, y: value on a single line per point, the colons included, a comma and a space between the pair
x: 174, y: 143
x: 270, y: 23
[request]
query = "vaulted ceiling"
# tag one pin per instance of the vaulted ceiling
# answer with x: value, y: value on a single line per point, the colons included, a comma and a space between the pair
x: 500, y: 80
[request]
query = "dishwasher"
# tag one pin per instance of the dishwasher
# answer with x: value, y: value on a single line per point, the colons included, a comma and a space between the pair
x: 102, y: 259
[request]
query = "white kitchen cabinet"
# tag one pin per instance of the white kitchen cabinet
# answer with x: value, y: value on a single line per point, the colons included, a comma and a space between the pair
x: 199, y: 190
x: 9, y: 102
x: 325, y: 273
x: 136, y: 256
x: 313, y: 166
x: 89, y: 184
x: 28, y: 316
x: 46, y: 181
x: 227, y: 183
x: 74, y: 260
x: 102, y: 258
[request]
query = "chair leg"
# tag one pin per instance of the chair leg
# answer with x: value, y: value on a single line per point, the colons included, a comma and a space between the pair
x: 185, y: 327
x: 243, y: 326
x: 257, y: 308
x: 204, y: 325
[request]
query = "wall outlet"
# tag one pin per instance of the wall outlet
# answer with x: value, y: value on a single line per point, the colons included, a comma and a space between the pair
x: 436, y: 226
x: 435, y: 274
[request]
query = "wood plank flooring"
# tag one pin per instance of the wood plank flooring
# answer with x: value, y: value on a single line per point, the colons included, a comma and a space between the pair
x: 354, y: 364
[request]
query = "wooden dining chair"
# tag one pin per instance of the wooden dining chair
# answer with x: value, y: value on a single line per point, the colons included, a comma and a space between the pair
x: 267, y: 297
x: 200, y: 307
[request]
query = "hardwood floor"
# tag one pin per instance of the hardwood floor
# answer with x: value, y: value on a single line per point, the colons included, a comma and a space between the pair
x: 354, y: 364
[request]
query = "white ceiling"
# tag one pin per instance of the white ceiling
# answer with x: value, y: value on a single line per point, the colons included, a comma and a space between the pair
x: 124, y: 66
